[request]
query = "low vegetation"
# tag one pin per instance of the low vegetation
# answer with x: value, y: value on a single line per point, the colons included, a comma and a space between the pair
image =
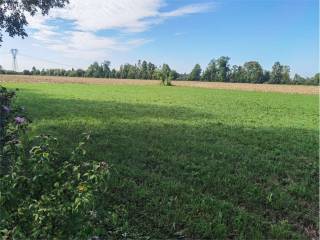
x: 43, y: 194
x: 188, y: 162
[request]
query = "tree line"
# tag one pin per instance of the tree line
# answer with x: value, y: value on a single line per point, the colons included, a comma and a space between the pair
x: 218, y: 70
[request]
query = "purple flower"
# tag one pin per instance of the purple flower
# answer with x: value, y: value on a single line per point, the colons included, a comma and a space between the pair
x: 6, y: 109
x: 20, y: 120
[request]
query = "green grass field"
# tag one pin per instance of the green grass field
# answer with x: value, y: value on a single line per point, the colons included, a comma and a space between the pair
x: 199, y: 163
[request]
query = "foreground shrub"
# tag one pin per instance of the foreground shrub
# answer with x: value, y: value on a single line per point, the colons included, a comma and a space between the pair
x: 44, y: 194
x: 8, y: 131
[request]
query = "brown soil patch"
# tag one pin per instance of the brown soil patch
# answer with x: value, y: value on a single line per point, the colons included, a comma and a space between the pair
x: 214, y: 85
x: 50, y: 79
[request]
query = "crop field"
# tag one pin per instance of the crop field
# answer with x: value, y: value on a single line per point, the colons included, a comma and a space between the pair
x: 193, y: 163
x: 302, y: 89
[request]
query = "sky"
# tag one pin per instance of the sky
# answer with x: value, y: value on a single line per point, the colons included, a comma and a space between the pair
x: 180, y: 33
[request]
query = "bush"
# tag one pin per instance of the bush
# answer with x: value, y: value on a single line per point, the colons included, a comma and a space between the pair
x: 8, y: 130
x: 165, y: 75
x: 44, y: 195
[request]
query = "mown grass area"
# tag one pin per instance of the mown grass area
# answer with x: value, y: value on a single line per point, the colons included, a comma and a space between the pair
x: 198, y: 163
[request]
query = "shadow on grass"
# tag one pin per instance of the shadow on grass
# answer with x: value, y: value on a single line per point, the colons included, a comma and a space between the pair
x: 176, y: 174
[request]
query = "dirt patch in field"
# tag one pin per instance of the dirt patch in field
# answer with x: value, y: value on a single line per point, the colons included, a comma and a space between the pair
x: 50, y: 79
x: 214, y: 85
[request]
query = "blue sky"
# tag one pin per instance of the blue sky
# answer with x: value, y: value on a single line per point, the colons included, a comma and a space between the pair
x: 178, y: 32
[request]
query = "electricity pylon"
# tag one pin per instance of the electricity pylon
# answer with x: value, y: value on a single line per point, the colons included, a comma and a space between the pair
x: 14, y: 53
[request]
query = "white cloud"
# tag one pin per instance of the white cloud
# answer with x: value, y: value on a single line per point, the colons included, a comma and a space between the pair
x: 94, y: 15
x: 88, y: 45
x: 45, y: 35
x: 178, y: 34
x: 90, y: 16
x: 189, y: 9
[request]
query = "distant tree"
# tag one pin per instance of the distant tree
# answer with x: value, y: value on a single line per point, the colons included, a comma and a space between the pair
x: 151, y: 70
x: 195, y: 74
x: 125, y: 71
x: 210, y: 74
x: 57, y: 72
x: 121, y: 73
x: 118, y: 74
x: 63, y: 72
x: 133, y: 72
x: 316, y: 79
x: 266, y: 76
x: 72, y: 73
x: 106, y: 69
x: 113, y: 73
x: 80, y: 73
x: 26, y: 72
x: 223, y: 69
x: 174, y: 74
x: 144, y: 70
x: 286, y: 74
x: 253, y: 72
x: 137, y: 69
x: 95, y: 70
x: 13, y: 14
x: 280, y: 74
x: 183, y: 77
x: 276, y: 73
x: 165, y: 75
x: 35, y: 71
x: 237, y: 74
x: 297, y: 79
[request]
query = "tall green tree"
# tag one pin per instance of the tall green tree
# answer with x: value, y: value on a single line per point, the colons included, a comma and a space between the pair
x: 113, y: 73
x: 237, y: 74
x: 276, y: 73
x: 253, y: 72
x: 106, y: 69
x: 266, y: 76
x: 223, y: 69
x: 35, y: 71
x: 95, y: 70
x: 286, y: 74
x: 280, y: 74
x: 123, y: 71
x: 133, y: 72
x: 210, y: 74
x: 144, y: 70
x: 151, y: 70
x: 297, y: 79
x: 316, y: 79
x: 174, y: 74
x: 195, y: 74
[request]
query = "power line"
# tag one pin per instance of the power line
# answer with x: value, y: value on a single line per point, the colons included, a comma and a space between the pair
x: 42, y: 60
x: 47, y: 60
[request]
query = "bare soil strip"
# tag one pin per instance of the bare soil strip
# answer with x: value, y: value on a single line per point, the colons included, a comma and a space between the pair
x: 214, y: 85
